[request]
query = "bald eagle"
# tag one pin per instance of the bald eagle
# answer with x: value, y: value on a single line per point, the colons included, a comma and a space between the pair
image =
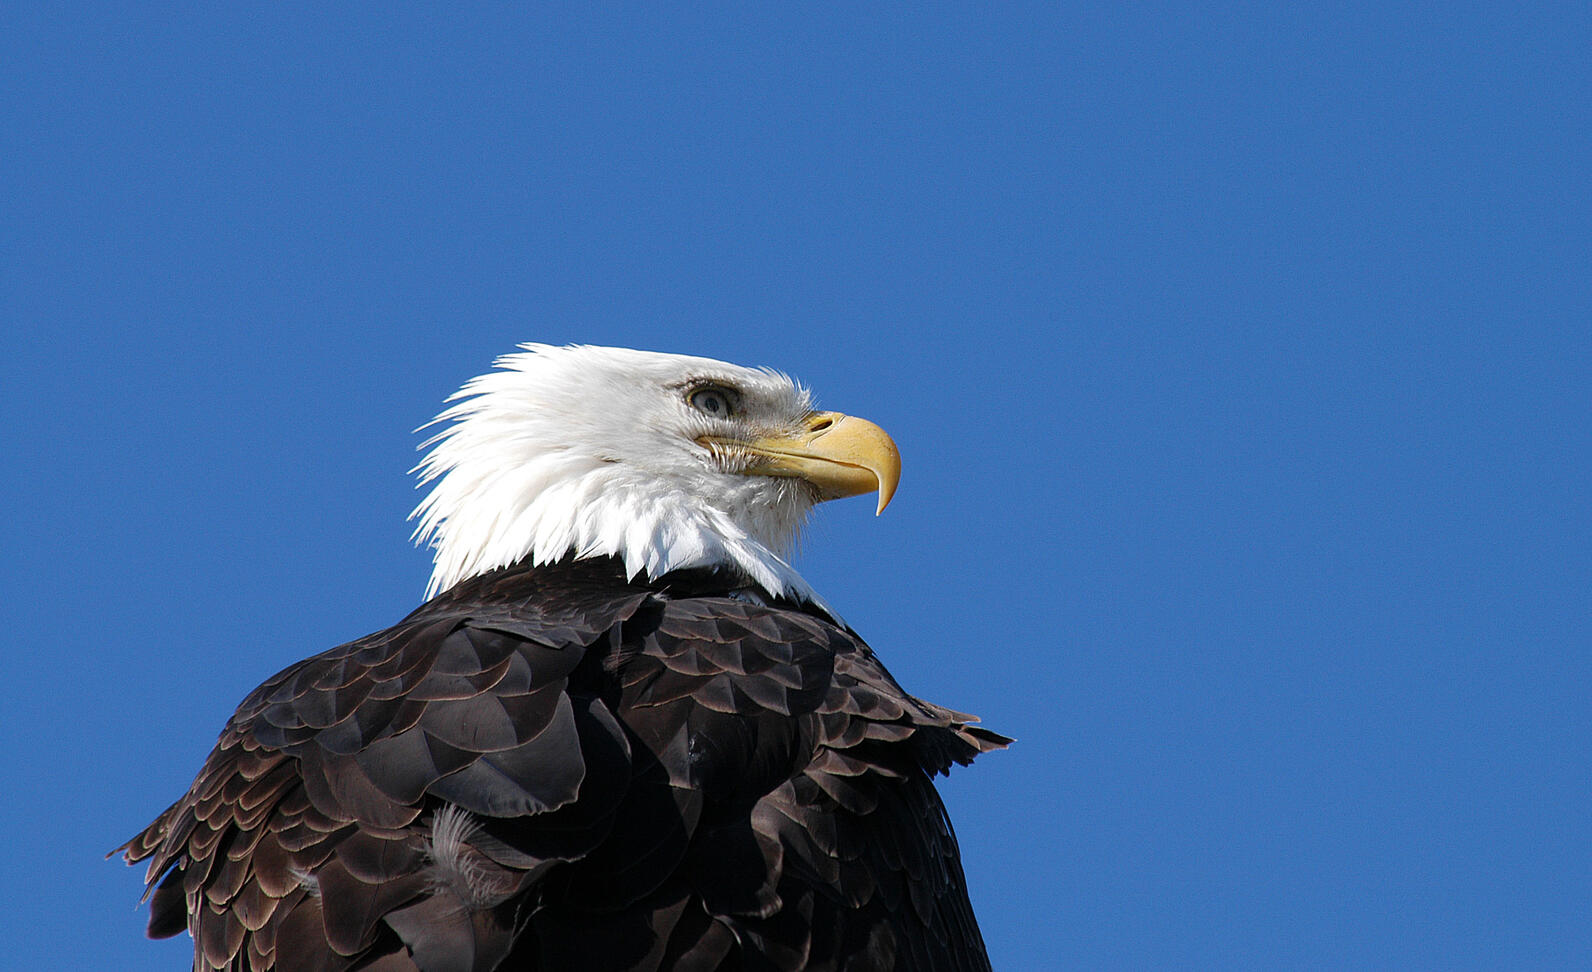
x: 623, y: 733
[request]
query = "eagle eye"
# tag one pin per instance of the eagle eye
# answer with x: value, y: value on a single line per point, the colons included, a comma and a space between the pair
x: 712, y: 400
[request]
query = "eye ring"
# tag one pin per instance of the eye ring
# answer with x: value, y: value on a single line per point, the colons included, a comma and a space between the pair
x: 713, y: 401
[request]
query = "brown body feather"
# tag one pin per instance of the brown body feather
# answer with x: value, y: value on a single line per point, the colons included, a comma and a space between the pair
x: 671, y: 775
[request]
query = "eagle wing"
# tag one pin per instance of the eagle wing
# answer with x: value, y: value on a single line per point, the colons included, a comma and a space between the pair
x: 554, y: 768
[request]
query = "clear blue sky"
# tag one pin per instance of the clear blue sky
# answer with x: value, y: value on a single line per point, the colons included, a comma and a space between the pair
x: 1240, y: 356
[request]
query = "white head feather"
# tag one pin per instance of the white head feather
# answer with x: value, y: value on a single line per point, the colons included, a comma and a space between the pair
x: 593, y: 451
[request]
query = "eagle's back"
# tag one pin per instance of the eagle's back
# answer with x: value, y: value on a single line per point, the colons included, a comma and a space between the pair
x: 552, y: 768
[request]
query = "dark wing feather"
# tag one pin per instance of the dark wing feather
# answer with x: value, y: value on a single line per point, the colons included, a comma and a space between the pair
x: 551, y: 768
x: 311, y: 820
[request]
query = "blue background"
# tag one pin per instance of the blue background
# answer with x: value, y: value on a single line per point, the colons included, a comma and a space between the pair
x: 1240, y: 356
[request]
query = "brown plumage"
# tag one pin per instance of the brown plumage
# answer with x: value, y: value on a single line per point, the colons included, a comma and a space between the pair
x: 557, y: 767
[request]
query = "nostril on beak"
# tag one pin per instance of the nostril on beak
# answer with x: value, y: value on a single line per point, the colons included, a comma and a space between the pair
x: 821, y: 424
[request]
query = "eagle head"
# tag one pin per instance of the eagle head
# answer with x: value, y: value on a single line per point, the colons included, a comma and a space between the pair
x: 662, y: 460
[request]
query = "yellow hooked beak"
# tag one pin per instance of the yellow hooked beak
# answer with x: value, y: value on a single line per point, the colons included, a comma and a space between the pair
x: 841, y: 455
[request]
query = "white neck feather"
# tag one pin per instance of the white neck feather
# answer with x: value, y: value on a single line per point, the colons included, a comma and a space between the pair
x: 590, y: 513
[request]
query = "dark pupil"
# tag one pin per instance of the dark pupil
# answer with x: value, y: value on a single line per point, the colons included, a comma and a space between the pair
x: 711, y: 402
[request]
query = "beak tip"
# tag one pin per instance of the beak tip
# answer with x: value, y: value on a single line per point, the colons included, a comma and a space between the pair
x: 884, y: 500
